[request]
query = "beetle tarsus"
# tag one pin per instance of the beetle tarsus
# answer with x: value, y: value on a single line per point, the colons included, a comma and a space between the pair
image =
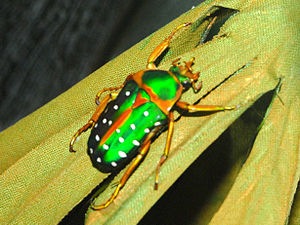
x: 156, y: 186
x: 162, y: 160
x: 231, y: 107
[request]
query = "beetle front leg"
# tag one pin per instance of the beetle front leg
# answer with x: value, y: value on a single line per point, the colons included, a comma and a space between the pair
x: 203, y: 108
x: 167, y: 148
x: 92, y: 120
x: 162, y: 47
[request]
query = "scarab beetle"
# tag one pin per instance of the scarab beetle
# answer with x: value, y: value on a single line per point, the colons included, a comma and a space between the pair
x: 125, y: 123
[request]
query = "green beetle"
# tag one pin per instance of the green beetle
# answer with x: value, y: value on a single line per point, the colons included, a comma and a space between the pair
x: 125, y: 123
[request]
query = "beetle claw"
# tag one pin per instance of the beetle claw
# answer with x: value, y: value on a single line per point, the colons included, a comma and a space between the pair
x: 71, y: 150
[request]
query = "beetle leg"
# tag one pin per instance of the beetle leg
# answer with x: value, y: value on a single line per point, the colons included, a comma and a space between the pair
x: 144, y: 149
x: 167, y: 148
x: 104, y: 90
x: 92, y: 120
x: 162, y: 47
x: 203, y: 108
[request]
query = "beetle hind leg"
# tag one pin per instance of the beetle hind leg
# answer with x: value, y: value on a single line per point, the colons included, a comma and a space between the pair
x: 143, y: 151
x: 125, y: 177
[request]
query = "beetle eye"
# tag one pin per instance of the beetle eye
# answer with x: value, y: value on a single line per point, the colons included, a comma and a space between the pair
x: 186, y: 84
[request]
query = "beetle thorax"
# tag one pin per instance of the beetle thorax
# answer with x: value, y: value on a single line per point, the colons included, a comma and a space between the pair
x: 162, y: 86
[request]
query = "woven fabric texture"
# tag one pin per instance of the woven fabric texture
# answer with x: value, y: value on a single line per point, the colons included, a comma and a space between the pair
x: 41, y: 181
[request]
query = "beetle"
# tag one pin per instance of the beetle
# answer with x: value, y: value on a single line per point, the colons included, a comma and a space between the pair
x: 125, y: 123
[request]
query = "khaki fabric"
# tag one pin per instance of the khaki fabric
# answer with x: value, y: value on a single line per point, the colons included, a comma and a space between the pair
x: 41, y: 181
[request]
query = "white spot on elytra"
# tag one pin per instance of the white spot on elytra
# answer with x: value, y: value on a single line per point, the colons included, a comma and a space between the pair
x: 169, y: 108
x: 122, y: 154
x: 146, y: 113
x: 91, y: 150
x: 135, y: 142
x: 99, y: 160
x: 105, y: 146
x: 157, y: 123
x: 127, y: 93
x: 147, y: 130
x: 114, y: 164
x: 121, y: 139
x: 96, y: 125
x: 118, y: 130
x: 116, y: 107
x: 97, y: 137
x: 109, y: 122
x: 132, y: 126
x: 104, y: 120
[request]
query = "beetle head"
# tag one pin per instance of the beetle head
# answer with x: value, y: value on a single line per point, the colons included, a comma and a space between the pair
x: 185, y: 74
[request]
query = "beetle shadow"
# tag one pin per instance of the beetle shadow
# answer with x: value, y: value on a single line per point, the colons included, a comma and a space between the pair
x: 77, y: 214
x: 221, y: 14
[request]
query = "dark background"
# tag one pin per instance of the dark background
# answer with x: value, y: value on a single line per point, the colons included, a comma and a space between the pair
x: 47, y: 46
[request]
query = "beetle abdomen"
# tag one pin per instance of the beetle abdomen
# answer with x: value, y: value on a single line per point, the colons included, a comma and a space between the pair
x: 121, y: 130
